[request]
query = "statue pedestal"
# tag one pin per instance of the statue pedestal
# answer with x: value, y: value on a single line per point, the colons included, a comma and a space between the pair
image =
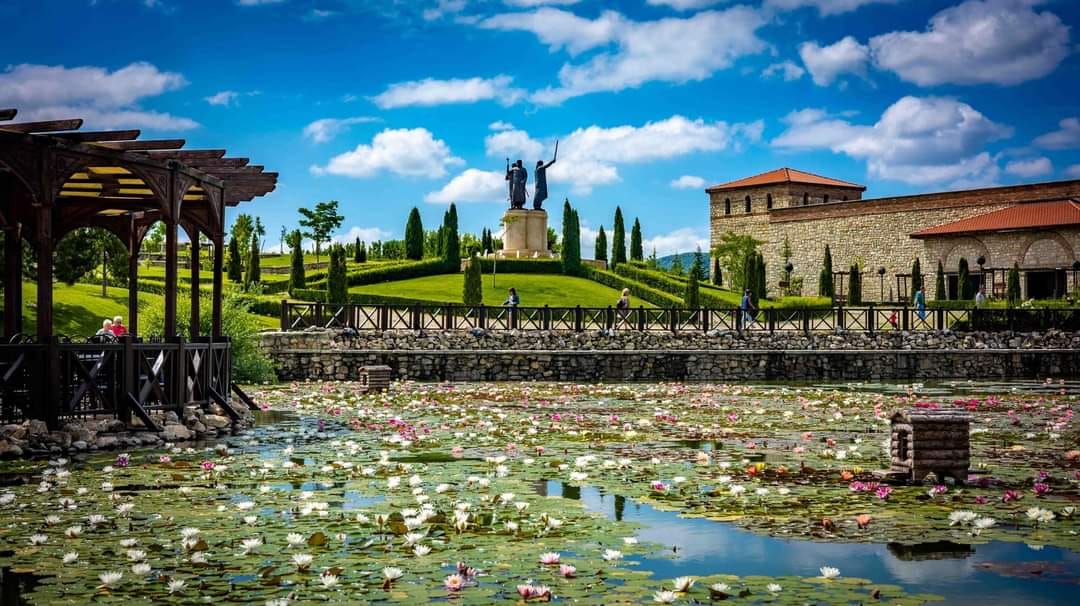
x: 524, y: 234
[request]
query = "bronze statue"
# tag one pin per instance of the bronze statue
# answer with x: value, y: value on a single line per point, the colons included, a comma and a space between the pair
x: 517, y: 176
x: 540, y: 179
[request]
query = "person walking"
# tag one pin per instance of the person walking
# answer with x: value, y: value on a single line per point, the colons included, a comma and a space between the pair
x: 980, y: 298
x: 624, y: 301
x: 512, y: 299
x: 747, y: 307
x: 920, y: 302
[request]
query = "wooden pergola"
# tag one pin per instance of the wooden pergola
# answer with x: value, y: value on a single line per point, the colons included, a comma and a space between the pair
x: 55, y: 178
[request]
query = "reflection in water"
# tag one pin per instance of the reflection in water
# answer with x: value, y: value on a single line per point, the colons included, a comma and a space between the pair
x: 695, y: 546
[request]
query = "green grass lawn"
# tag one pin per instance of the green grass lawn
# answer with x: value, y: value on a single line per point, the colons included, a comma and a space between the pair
x: 535, y: 290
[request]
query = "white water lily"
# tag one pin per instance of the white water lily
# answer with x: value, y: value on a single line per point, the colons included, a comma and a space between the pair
x: 189, y: 532
x: 141, y: 569
x: 421, y: 550
x: 611, y: 555
x: 829, y: 572
x: 302, y: 560
x: 962, y: 517
x: 665, y: 597
x: 70, y: 557
x: 328, y: 580
x: 392, y: 573
x: 136, y: 555
x: 1040, y: 515
x: 248, y: 544
x: 176, y: 586
x: 294, y: 539
x: 72, y: 532
x: 719, y: 588
x: 110, y: 579
x: 683, y: 584
x: 774, y: 588
x: 38, y: 539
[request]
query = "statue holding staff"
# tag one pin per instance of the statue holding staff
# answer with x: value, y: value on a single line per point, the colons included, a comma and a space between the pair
x: 540, y: 179
x: 517, y: 177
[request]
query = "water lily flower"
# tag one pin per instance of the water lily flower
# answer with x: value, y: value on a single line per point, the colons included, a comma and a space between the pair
x: 176, y: 586
x: 665, y: 597
x: 549, y: 558
x: 392, y: 573
x: 136, y: 555
x: 630, y: 540
x: 862, y: 520
x: 567, y: 571
x: 829, y: 572
x: 38, y: 539
x: 294, y: 539
x: 719, y: 588
x: 328, y: 580
x: 70, y: 557
x: 248, y: 544
x: 110, y: 580
x: 774, y: 588
x: 1040, y: 515
x: 141, y: 569
x: 198, y: 558
x: 1010, y: 496
x: 883, y: 492
x: 612, y: 555
x: 454, y: 582
x: 122, y: 460
x: 962, y: 517
x: 421, y: 550
x: 683, y: 584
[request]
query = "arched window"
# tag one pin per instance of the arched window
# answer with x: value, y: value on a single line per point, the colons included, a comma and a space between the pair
x: 727, y: 206
x: 805, y: 199
x: 825, y: 199
x: 768, y: 201
x: 747, y: 203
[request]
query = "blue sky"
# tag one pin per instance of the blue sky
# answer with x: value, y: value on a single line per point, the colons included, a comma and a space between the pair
x: 387, y: 105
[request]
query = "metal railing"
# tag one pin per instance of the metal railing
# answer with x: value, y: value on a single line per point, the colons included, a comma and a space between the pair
x: 58, y: 380
x: 869, y: 319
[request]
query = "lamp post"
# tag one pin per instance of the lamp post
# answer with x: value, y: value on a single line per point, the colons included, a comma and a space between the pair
x: 982, y: 273
x: 881, y: 282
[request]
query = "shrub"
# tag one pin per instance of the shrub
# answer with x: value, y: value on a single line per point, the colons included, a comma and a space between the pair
x: 916, y: 277
x: 717, y: 275
x: 963, y: 279
x: 452, y: 244
x: 600, y: 248
x: 692, y: 297
x: 235, y: 269
x: 337, y: 289
x: 520, y: 266
x: 254, y: 274
x: 473, y: 290
x: 855, y: 292
x: 637, y: 289
x: 940, y: 294
x: 296, y: 262
x: 1012, y: 289
x: 571, y: 233
x: 414, y: 236
x: 825, y: 280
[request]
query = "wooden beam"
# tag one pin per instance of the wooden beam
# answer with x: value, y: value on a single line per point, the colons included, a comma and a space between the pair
x: 254, y: 169
x: 7, y: 114
x: 146, y: 144
x: 103, y: 135
x: 188, y: 154
x: 218, y: 163
x: 47, y: 126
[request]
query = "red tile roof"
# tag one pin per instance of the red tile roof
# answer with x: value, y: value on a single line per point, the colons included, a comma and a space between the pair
x: 1032, y: 215
x: 785, y: 175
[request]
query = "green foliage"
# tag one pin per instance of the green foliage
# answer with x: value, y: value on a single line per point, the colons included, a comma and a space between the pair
x: 236, y: 268
x: 855, y: 289
x: 397, y: 271
x: 717, y: 274
x: 652, y: 262
x: 254, y: 272
x: 1012, y: 288
x: 571, y: 237
x: 473, y: 290
x: 675, y: 287
x: 242, y: 229
x: 520, y: 266
x: 916, y: 277
x: 677, y: 266
x: 296, y: 261
x: 940, y: 294
x: 357, y: 250
x: 699, y: 263
x: 637, y: 289
x: 733, y: 252
x: 452, y: 241
x: 320, y: 222
x: 692, y: 295
x: 826, y: 288
x: 155, y: 239
x: 337, y: 290
x: 762, y: 291
x: 486, y: 245
x: 636, y: 252
x: 964, y: 291
x: 414, y: 236
x: 552, y: 240
x: 83, y: 250
x: 618, y: 240
x: 600, y: 248
x: 250, y: 364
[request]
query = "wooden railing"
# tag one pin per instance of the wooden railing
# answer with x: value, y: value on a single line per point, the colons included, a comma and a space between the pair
x: 869, y: 319
x: 59, y: 380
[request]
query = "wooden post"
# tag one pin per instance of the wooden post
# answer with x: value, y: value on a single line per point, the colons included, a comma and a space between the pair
x: 284, y: 315
x: 13, y: 281
x: 44, y: 272
x: 195, y: 282
x: 219, y: 261
x: 133, y: 282
x: 170, y: 277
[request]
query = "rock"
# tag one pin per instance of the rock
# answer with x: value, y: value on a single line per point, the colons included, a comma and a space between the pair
x: 215, y: 409
x: 111, y: 426
x: 36, y: 428
x: 176, y: 432
x: 14, y: 431
x: 9, y: 450
x: 106, y: 442
x: 196, y: 426
x: 170, y: 417
x: 216, y: 421
x: 79, y: 445
x: 60, y: 438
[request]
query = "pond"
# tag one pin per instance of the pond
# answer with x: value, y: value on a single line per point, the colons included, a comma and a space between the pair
x: 530, y: 492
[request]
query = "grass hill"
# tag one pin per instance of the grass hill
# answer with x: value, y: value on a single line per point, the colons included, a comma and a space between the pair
x: 535, y: 290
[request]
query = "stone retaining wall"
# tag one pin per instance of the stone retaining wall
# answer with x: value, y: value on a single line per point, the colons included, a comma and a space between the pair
x: 512, y: 356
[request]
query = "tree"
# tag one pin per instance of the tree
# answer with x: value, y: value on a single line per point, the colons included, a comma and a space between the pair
x: 254, y: 273
x: 156, y: 238
x: 717, y: 275
x: 242, y: 228
x: 83, y: 250
x: 485, y: 239
x: 732, y: 252
x: 281, y: 243
x: 571, y: 246
x: 320, y: 222
x: 337, y: 286
x: 452, y: 242
x: 1012, y: 287
x: 676, y: 265
x: 940, y: 294
x: 236, y: 268
x: 699, y: 263
x: 855, y: 290
x: 618, y: 240
x: 473, y: 290
x: 692, y: 295
x: 414, y: 236
x: 636, y: 253
x: 357, y: 247
x: 553, y: 240
x: 600, y: 249
x: 652, y: 262
x: 361, y: 252
x: 916, y: 277
x: 762, y: 291
x: 826, y: 288
x: 297, y: 279
x: 963, y: 279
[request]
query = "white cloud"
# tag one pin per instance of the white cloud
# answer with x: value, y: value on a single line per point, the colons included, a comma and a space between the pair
x: 827, y: 63
x: 684, y: 5
x: 788, y: 69
x: 682, y: 240
x: 1073, y: 172
x: 366, y: 234
x: 407, y: 152
x: 102, y: 98
x: 918, y: 140
x: 500, y: 125
x: 674, y: 50
x: 472, y: 185
x: 535, y: 3
x: 1034, y: 167
x: 443, y: 7
x: 588, y: 240
x: 257, y: 2
x: 430, y: 91
x: 1066, y: 137
x: 824, y: 7
x: 324, y: 130
x: 515, y: 143
x: 688, y: 182
x: 978, y: 42
x: 228, y: 98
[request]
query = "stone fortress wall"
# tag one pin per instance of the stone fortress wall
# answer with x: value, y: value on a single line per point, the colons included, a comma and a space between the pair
x: 877, y: 231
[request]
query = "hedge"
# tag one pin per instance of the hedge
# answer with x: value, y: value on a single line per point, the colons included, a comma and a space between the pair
x: 522, y: 266
x: 645, y: 293
x: 417, y: 269
x: 358, y: 298
x: 673, y: 286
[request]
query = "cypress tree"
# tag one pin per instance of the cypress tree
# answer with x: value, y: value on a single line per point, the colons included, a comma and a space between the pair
x: 600, y: 249
x: 940, y: 294
x: 916, y: 277
x: 692, y: 295
x: 759, y: 273
x: 636, y: 252
x: 254, y: 275
x: 571, y: 248
x: 699, y: 263
x: 618, y: 240
x: 297, y: 279
x: 357, y: 247
x: 473, y: 290
x: 855, y: 292
x: 452, y: 246
x: 963, y: 278
x: 361, y: 253
x: 235, y: 270
x: 576, y: 242
x: 717, y: 275
x: 750, y: 273
x: 414, y: 236
x: 676, y: 265
x: 1012, y: 290
x: 337, y: 288
x: 826, y: 288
